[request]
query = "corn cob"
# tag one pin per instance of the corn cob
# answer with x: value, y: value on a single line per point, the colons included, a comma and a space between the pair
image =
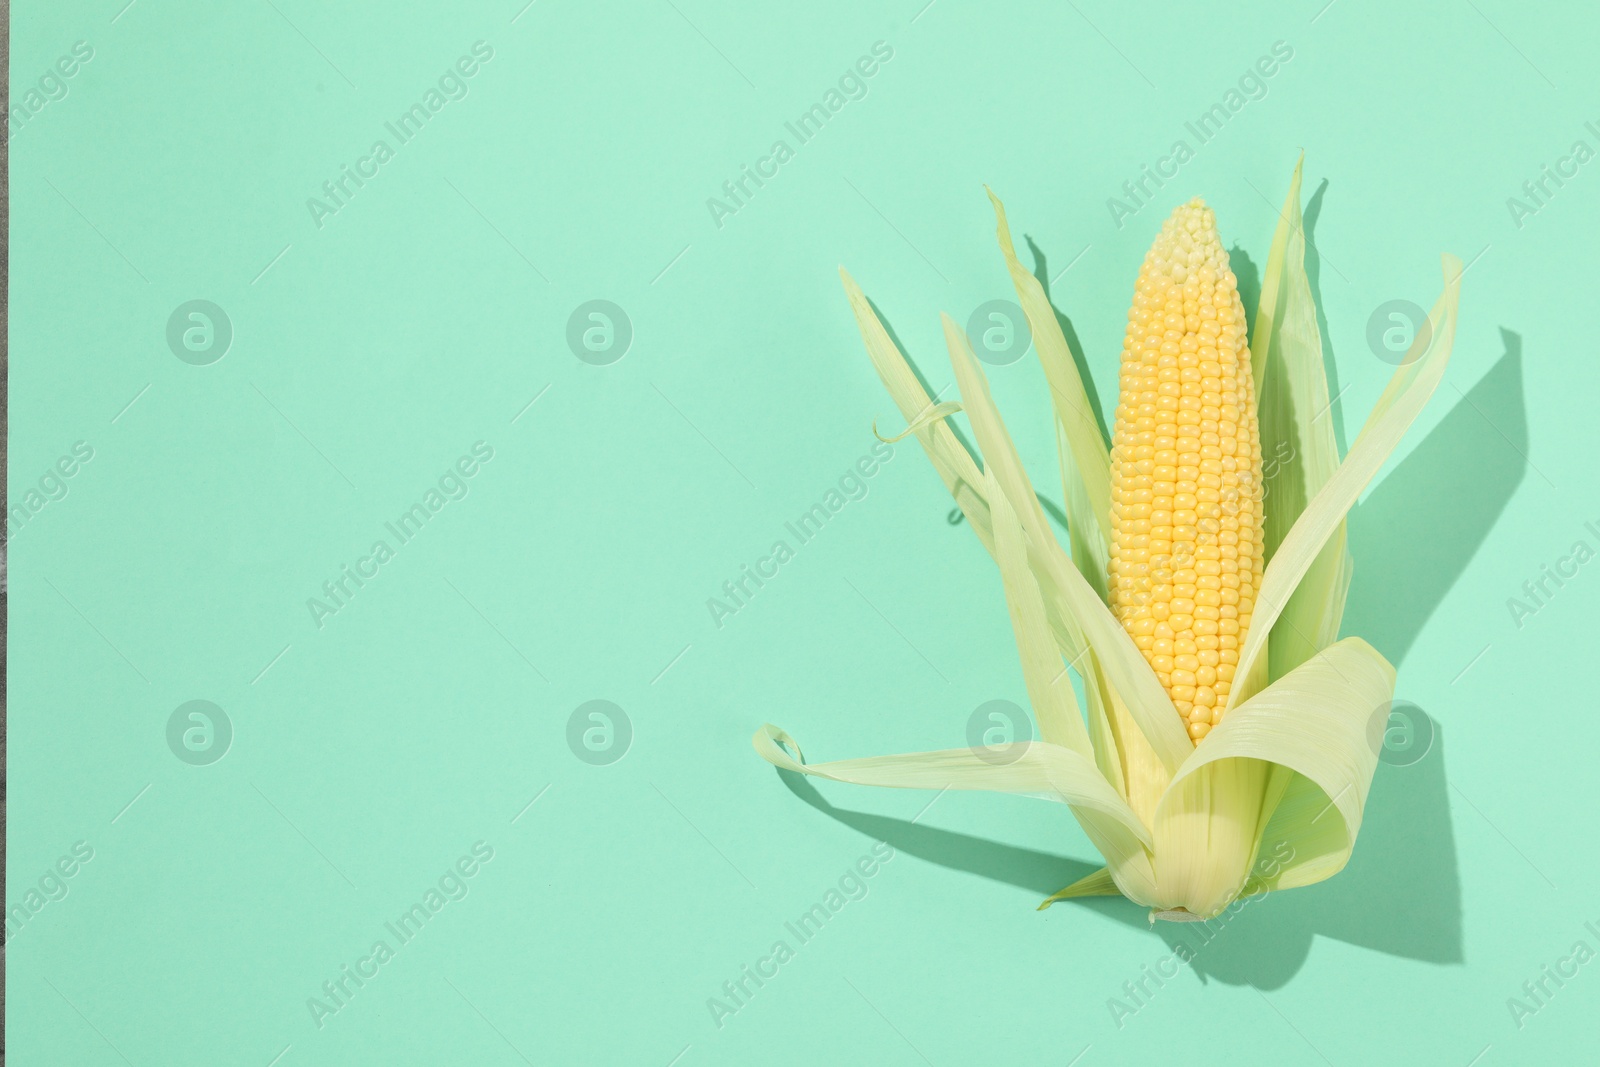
x: 1186, y: 470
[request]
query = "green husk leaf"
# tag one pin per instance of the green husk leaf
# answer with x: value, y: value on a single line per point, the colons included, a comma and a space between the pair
x: 1108, y: 751
x: 1031, y: 768
x: 1126, y: 669
x: 1441, y: 319
x: 1055, y: 706
x: 1117, y: 741
x: 1049, y: 689
x: 1086, y: 493
x: 1317, y: 721
x: 1299, y: 450
x: 1207, y: 826
x: 1317, y: 843
x: 1311, y: 620
x: 1086, y: 462
x: 1408, y: 392
x: 932, y: 415
x: 949, y: 457
x: 1297, y: 438
x: 1091, y: 552
x: 1098, y: 884
x: 1004, y: 470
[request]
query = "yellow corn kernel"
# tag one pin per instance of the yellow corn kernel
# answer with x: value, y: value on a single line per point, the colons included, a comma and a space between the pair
x: 1186, y: 469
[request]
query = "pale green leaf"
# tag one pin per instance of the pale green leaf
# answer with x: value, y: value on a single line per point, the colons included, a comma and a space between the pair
x: 1049, y: 689
x: 1298, y: 448
x: 1318, y: 721
x: 1098, y: 884
x: 1090, y: 550
x: 1031, y: 768
x: 1125, y: 666
x: 1206, y: 828
x: 1439, y: 333
x: 932, y: 415
x: 1312, y: 843
x: 1092, y: 556
x: 1086, y: 463
x: 1408, y: 392
x: 949, y: 457
x: 1311, y: 620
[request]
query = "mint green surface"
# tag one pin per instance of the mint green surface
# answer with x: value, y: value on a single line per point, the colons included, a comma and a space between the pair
x: 373, y: 347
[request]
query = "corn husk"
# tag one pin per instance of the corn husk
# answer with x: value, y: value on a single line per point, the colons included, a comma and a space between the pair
x: 1287, y: 770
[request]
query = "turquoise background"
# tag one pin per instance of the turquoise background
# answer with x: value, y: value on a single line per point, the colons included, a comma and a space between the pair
x: 368, y: 354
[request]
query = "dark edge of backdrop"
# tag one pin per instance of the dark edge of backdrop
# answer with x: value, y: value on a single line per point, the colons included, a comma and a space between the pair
x: 5, y: 433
